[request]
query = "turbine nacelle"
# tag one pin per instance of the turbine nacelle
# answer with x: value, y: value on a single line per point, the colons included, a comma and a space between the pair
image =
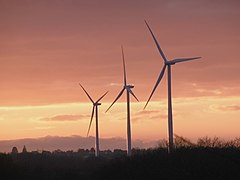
x: 128, y: 86
x: 170, y: 62
x: 97, y: 104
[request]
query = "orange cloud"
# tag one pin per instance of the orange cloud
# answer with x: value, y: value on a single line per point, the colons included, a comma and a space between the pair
x: 229, y: 108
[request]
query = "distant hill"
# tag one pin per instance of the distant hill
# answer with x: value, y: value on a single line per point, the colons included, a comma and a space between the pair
x: 74, y: 142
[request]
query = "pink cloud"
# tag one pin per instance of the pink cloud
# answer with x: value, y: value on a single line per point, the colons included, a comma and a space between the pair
x: 64, y: 118
x: 149, y: 115
x: 144, y: 112
x: 45, y: 59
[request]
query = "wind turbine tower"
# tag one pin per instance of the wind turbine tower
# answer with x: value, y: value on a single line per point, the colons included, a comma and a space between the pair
x: 95, y: 108
x: 128, y: 88
x: 168, y: 64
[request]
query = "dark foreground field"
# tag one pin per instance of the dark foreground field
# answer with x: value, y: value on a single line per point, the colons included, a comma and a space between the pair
x: 186, y: 162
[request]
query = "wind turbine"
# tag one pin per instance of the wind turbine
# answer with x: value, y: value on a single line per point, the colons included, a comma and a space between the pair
x: 95, y: 107
x: 168, y: 64
x: 128, y: 88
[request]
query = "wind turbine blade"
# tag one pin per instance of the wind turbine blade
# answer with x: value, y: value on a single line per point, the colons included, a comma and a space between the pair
x: 86, y: 93
x: 184, y: 59
x: 102, y: 97
x: 124, y: 68
x: 130, y: 91
x: 156, y: 42
x: 156, y: 85
x: 91, y: 120
x: 119, y: 95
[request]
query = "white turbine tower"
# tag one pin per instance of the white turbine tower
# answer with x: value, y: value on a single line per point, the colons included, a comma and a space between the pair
x: 95, y: 108
x: 168, y: 64
x: 128, y: 92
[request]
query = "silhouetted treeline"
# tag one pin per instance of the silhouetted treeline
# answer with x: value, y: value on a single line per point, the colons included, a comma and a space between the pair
x: 209, y: 158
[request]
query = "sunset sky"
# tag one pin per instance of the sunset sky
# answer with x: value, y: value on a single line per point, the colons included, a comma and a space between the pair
x: 48, y: 47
